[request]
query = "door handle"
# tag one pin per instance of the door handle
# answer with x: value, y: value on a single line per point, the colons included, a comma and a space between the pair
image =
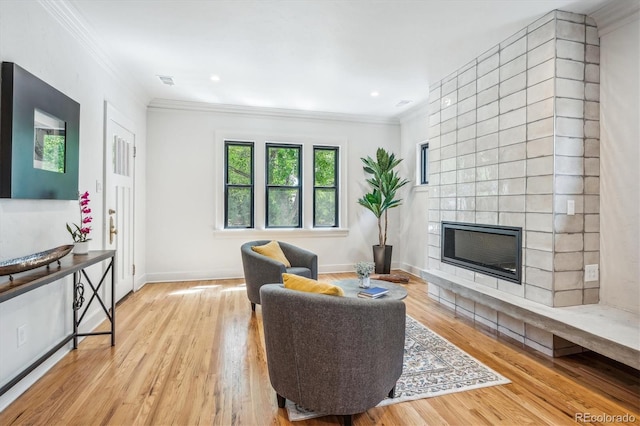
x: 112, y: 227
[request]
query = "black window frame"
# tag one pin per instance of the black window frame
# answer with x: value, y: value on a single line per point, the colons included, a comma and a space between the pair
x: 227, y: 185
x: 335, y: 186
x: 424, y: 164
x: 268, y: 186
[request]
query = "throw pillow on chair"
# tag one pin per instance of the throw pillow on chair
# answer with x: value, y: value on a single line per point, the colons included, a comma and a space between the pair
x: 296, y: 282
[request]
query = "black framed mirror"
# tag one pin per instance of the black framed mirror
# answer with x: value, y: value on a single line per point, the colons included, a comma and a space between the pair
x: 39, y: 138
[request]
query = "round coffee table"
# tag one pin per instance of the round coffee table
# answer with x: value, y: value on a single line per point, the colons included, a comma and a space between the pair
x: 351, y: 288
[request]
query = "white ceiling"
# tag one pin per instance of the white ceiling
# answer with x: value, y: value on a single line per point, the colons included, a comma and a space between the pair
x: 315, y: 55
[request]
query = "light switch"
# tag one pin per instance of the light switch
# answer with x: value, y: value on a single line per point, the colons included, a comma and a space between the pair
x: 571, y: 207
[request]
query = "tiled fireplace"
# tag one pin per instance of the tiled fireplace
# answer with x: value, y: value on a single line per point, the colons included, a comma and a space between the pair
x: 514, y: 142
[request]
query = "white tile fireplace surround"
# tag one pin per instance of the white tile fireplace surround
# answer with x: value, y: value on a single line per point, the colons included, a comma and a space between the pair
x: 514, y: 141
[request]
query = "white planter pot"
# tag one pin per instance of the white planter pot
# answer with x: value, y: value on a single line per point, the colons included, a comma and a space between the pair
x: 81, y: 247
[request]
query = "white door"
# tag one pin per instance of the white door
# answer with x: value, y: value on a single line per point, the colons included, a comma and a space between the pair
x: 119, y: 150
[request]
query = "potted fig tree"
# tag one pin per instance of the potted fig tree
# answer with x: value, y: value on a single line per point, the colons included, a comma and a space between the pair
x: 385, y: 183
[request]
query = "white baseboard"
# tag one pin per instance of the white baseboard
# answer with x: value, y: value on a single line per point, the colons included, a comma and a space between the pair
x: 23, y: 385
x: 89, y: 323
x: 162, y: 277
x: 330, y: 269
x: 411, y: 269
x: 140, y: 282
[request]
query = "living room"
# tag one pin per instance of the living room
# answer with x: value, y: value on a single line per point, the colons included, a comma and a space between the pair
x: 179, y: 229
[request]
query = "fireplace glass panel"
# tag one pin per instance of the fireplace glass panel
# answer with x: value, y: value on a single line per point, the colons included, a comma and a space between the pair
x: 491, y: 250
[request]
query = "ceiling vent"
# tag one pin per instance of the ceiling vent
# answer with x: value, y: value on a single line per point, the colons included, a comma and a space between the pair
x: 166, y: 79
x: 403, y: 102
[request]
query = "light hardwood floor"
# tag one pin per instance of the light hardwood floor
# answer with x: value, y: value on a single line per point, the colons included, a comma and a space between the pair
x: 192, y: 353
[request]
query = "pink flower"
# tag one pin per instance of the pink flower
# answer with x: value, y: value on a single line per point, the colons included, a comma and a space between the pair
x: 80, y: 232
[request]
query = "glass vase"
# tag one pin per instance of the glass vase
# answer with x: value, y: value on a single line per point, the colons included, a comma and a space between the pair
x: 365, y: 282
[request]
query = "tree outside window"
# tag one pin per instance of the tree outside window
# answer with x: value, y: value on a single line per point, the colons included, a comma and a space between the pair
x: 284, y: 186
x: 325, y: 186
x: 239, y: 185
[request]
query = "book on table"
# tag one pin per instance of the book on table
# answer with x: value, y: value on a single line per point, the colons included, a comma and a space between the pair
x: 373, y: 292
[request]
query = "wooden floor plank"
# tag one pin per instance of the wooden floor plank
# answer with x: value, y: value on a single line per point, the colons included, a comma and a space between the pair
x: 192, y: 353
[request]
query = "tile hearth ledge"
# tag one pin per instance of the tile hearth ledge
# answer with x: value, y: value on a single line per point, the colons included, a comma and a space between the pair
x: 603, y: 329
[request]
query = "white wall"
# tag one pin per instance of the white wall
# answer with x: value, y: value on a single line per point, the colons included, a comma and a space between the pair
x: 414, y: 130
x: 619, y: 164
x: 32, y: 38
x: 186, y: 239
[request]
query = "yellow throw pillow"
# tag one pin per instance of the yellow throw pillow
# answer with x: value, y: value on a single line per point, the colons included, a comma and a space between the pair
x: 273, y: 251
x: 296, y: 282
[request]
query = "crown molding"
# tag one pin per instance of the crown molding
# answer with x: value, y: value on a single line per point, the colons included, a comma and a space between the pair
x: 170, y: 104
x: 615, y: 14
x: 71, y: 20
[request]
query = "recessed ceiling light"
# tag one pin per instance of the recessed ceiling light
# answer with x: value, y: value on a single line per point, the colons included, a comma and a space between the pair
x: 375, y: 94
x: 166, y: 79
x: 215, y: 77
x: 403, y: 102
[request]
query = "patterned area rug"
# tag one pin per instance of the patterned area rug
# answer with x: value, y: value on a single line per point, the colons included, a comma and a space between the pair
x: 432, y: 366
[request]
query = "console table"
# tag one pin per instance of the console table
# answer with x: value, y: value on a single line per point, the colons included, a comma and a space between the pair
x: 68, y: 265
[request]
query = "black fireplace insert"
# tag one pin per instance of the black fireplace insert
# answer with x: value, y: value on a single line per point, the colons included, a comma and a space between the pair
x: 488, y: 249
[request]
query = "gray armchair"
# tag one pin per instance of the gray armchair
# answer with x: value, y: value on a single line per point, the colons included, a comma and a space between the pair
x: 333, y: 355
x: 260, y: 270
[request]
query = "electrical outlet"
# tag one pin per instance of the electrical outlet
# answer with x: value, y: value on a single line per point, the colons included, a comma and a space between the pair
x: 591, y: 273
x: 22, y: 334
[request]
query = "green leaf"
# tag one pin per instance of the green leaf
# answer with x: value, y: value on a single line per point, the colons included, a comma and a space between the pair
x: 385, y: 182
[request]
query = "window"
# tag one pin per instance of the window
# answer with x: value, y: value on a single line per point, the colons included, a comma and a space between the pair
x: 325, y: 186
x: 284, y: 186
x: 424, y: 164
x: 239, y: 185
x: 265, y: 185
